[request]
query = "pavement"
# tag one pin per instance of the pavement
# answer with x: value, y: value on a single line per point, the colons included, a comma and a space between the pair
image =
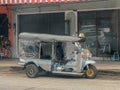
x: 108, y: 65
x: 9, y: 62
x: 103, y: 66
x: 100, y: 64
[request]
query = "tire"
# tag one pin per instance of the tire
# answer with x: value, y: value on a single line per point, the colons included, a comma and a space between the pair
x: 91, y: 73
x: 32, y: 71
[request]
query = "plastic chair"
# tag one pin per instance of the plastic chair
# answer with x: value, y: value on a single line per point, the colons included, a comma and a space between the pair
x: 107, y: 48
x: 115, y: 56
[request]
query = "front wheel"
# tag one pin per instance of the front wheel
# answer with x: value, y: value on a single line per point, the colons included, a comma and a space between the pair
x: 32, y: 70
x: 91, y: 72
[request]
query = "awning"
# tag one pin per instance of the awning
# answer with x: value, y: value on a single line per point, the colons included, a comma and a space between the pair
x: 4, y: 2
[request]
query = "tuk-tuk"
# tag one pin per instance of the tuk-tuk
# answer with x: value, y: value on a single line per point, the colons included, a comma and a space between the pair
x: 56, y: 54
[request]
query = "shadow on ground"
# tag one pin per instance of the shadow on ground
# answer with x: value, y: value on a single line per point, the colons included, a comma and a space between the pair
x: 102, y: 74
x: 109, y: 74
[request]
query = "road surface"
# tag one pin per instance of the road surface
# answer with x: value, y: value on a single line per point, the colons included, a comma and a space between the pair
x: 12, y: 77
x: 15, y: 79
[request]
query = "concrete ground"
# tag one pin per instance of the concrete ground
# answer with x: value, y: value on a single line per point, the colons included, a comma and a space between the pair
x: 12, y: 77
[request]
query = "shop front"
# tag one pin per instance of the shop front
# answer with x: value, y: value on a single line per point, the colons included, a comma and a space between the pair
x: 97, y: 19
x: 100, y: 28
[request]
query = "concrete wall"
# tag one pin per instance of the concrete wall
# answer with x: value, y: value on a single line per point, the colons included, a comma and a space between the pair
x: 70, y: 10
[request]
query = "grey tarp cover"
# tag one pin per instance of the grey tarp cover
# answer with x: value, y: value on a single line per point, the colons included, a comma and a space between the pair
x: 47, y: 37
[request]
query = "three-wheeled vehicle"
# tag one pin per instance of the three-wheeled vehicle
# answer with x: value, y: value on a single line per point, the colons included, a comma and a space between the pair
x: 47, y: 53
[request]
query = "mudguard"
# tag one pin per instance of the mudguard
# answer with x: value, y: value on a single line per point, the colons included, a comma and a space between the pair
x: 89, y: 62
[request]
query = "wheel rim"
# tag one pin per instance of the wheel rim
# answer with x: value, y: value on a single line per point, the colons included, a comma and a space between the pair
x: 30, y: 71
x: 90, y: 72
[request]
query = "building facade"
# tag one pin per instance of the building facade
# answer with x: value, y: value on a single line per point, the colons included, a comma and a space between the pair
x: 98, y: 19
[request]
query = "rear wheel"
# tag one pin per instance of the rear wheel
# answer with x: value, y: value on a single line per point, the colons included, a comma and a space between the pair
x: 32, y: 70
x: 91, y: 72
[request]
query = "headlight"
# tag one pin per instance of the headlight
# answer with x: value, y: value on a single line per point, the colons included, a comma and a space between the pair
x: 90, y: 56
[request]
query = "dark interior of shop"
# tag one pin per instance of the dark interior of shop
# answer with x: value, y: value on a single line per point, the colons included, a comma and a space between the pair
x: 4, y: 38
x: 50, y: 23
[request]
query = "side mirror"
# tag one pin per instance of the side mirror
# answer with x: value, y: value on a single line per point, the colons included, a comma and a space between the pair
x: 83, y: 40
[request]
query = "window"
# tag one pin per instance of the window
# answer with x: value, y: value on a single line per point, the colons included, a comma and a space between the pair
x: 29, y: 49
x: 46, y: 50
x: 99, y: 28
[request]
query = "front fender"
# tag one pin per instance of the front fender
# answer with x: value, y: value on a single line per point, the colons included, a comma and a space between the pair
x: 89, y: 62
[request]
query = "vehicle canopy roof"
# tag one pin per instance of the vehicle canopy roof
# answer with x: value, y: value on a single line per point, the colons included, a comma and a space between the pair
x: 47, y: 37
